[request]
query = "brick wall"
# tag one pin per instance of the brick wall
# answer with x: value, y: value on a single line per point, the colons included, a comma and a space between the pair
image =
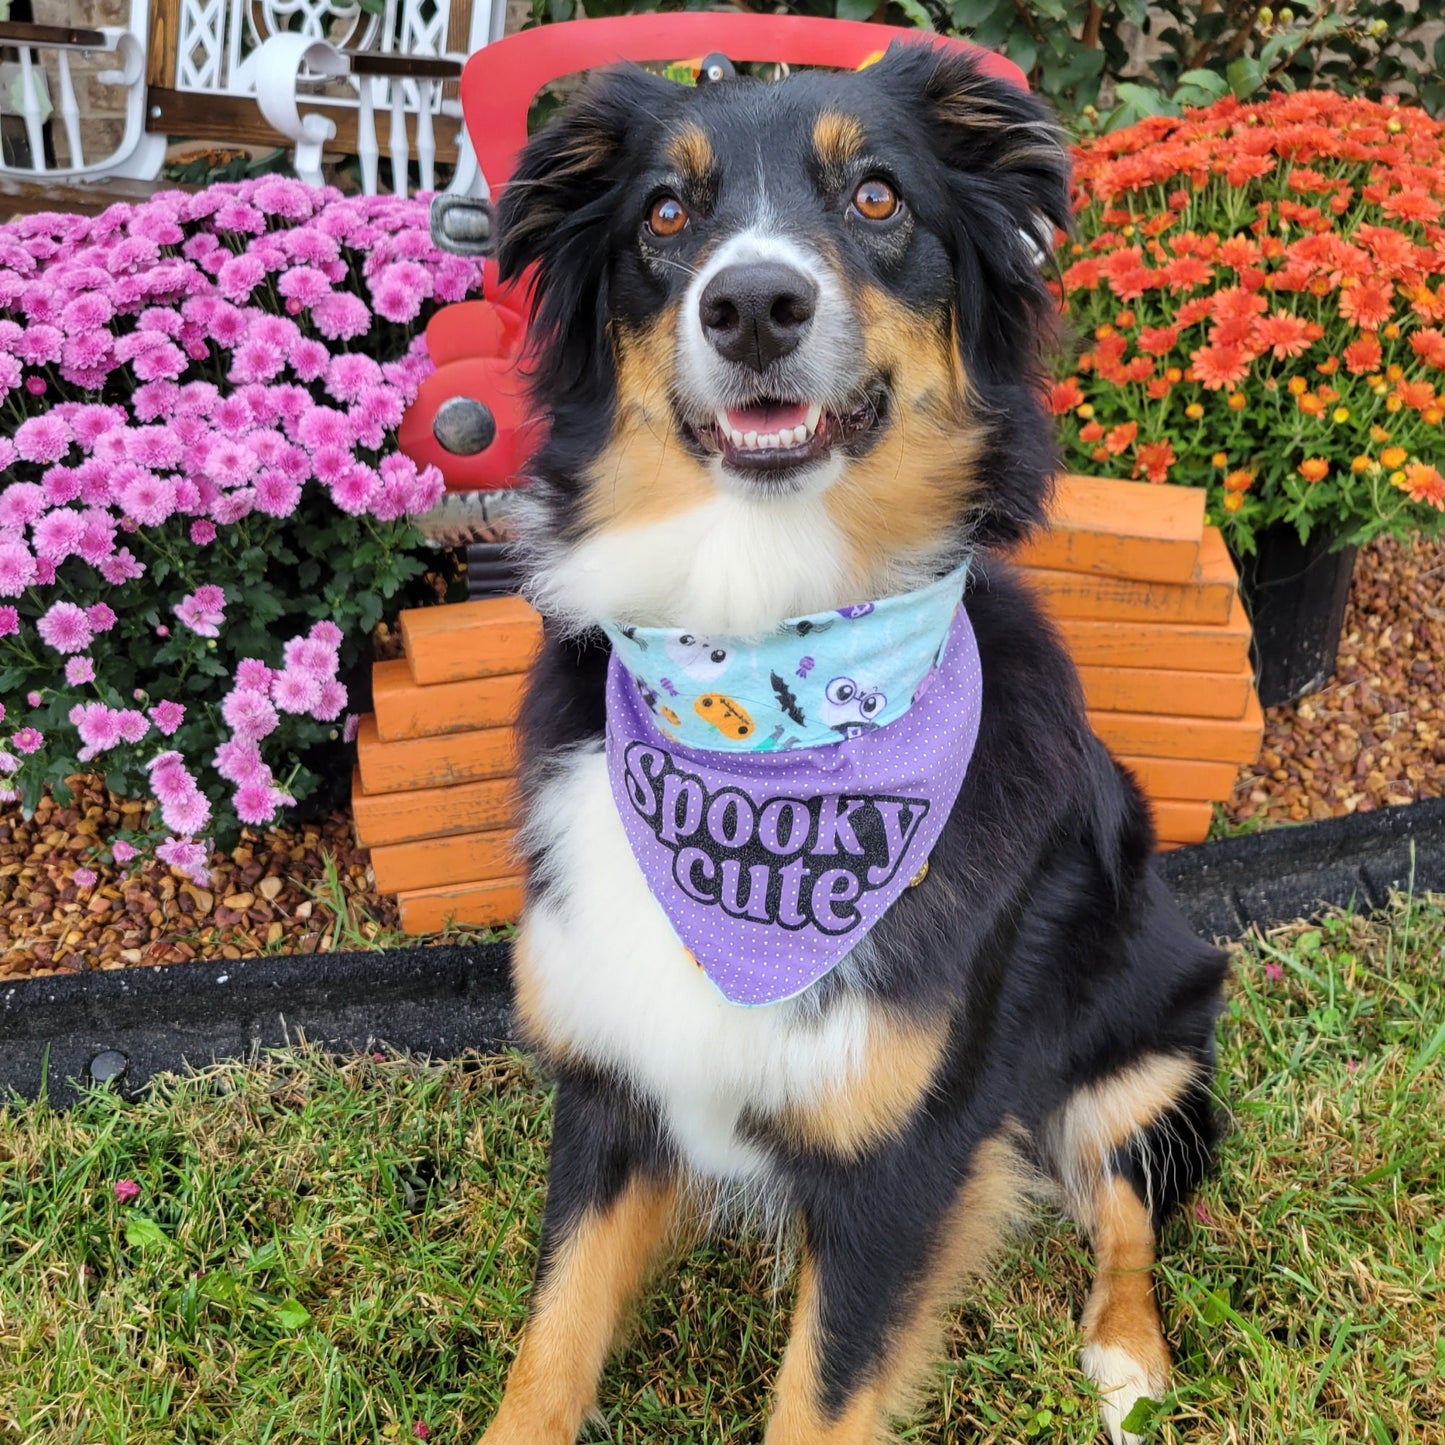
x: 102, y: 107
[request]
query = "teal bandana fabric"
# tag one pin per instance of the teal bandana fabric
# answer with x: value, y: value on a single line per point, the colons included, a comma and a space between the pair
x: 825, y: 678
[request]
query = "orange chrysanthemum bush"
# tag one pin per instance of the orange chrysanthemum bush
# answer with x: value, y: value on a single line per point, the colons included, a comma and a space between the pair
x: 1260, y: 291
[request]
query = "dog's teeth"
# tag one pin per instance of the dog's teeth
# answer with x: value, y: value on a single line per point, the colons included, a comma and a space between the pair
x: 814, y: 416
x: 750, y: 440
x: 800, y: 434
x: 723, y: 424
x: 735, y: 436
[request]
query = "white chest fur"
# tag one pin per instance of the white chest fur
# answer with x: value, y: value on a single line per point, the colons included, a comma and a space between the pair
x: 608, y: 978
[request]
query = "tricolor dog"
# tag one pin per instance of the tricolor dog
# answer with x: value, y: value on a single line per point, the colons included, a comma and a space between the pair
x: 835, y: 904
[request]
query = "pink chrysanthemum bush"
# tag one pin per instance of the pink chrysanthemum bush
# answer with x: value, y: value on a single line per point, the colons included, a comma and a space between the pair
x: 202, y: 514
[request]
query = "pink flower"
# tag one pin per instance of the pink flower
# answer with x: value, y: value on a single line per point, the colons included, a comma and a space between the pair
x: 295, y: 691
x: 133, y: 725
x: 98, y: 726
x: 169, y: 779
x: 399, y: 290
x: 188, y: 857
x: 79, y: 670
x: 323, y: 426
x: 253, y: 674
x: 122, y: 851
x: 125, y: 1190
x: 277, y: 495
x: 211, y: 597
x: 310, y: 654
x: 327, y: 633
x: 350, y: 376
x: 149, y: 499
x: 186, y: 815
x: 256, y: 802
x: 90, y: 423
x: 60, y: 485
x: 160, y: 363
x: 100, y: 616
x: 309, y: 360
x: 239, y: 277
x: 350, y: 727
x: 97, y: 541
x: 57, y: 534
x: 249, y: 714
x: 239, y: 761
x: 33, y: 698
x: 123, y: 567
x: 28, y: 740
x: 202, y: 612
x: 20, y: 504
x: 1273, y: 972
x: 331, y: 702
x: 203, y: 532
x: 65, y: 628
x: 9, y: 626
x: 83, y: 878
x: 421, y: 1429
x: 233, y: 506
x: 341, y: 317
x: 17, y: 568
x: 232, y: 463
x: 167, y: 716
x: 86, y: 313
x: 153, y: 446
x: 256, y: 361
x: 353, y: 491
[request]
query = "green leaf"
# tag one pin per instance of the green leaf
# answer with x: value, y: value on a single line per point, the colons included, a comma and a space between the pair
x: 916, y: 13
x: 292, y: 1314
x: 1209, y: 81
x: 1246, y: 75
x: 970, y: 14
x: 142, y: 1233
x: 1141, y: 1417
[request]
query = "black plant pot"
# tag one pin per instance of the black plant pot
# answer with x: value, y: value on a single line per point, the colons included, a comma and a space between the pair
x: 1295, y: 593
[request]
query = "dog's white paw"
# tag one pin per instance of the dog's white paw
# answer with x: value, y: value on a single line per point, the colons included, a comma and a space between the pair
x: 1122, y: 1381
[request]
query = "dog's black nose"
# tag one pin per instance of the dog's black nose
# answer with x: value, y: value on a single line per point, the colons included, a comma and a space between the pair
x: 756, y: 313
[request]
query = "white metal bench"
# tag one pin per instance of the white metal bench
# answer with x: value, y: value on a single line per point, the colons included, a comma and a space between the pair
x: 312, y: 74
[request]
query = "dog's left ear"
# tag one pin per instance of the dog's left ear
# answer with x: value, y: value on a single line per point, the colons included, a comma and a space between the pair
x: 557, y: 212
x: 1008, y: 176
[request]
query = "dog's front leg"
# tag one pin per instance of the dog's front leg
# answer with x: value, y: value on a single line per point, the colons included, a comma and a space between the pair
x: 611, y: 1212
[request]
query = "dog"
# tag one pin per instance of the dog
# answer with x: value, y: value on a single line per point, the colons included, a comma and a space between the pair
x: 790, y: 338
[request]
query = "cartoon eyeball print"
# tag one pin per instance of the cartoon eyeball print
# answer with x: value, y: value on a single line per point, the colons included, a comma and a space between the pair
x: 697, y: 657
x: 850, y: 708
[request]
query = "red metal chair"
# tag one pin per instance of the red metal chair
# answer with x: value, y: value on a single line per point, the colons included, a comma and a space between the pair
x: 476, y: 344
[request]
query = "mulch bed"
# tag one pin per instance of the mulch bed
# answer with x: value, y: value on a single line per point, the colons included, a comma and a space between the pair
x: 1374, y: 737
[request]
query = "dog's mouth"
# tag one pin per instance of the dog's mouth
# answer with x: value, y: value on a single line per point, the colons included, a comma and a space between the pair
x: 772, y: 437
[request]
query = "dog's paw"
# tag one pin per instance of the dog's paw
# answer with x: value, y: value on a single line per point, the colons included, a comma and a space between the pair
x: 1122, y: 1381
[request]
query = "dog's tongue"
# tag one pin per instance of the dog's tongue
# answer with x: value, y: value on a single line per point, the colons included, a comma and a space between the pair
x: 769, y: 416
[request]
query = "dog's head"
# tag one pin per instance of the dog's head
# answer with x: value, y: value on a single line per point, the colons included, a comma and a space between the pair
x: 789, y: 335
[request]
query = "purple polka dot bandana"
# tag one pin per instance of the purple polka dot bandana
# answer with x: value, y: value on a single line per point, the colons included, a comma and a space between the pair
x: 771, y: 865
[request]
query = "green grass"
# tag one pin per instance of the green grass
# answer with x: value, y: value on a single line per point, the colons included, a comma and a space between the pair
x: 334, y: 1251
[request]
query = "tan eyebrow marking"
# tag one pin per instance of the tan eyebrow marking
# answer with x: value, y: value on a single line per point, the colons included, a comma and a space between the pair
x: 837, y: 138
x: 691, y: 152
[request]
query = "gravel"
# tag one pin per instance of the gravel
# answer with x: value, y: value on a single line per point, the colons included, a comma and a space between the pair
x: 1374, y: 737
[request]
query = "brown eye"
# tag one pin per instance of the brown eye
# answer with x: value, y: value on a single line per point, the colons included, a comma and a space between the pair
x: 875, y: 200
x: 667, y: 217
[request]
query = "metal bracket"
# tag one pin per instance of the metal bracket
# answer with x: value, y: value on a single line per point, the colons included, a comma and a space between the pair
x: 462, y: 225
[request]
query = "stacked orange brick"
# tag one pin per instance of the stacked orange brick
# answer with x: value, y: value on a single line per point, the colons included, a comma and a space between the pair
x: 1147, y: 600
x: 1144, y: 595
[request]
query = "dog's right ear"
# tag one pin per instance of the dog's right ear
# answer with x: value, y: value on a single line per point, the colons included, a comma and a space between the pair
x: 557, y: 214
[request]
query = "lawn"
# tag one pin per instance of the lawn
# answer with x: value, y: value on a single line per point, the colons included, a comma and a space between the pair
x: 340, y: 1251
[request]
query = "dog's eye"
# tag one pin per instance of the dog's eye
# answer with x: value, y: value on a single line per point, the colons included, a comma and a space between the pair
x: 875, y: 200
x: 667, y: 217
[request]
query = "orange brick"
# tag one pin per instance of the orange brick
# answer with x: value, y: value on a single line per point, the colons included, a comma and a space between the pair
x: 1120, y: 529
x: 404, y: 817
x: 1180, y: 694
x: 1185, y: 646
x: 1186, y: 778
x: 485, y: 905
x: 405, y: 710
x: 1181, y: 821
x: 433, y: 862
x: 461, y: 640
x: 1207, y: 597
x: 433, y: 762
x: 1153, y: 735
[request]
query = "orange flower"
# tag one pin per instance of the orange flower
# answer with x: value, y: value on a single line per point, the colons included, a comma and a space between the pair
x: 1283, y: 333
x: 1426, y: 485
x: 1393, y: 457
x: 1367, y: 303
x: 1091, y: 431
x: 1064, y: 396
x: 1429, y: 345
x: 1233, y: 502
x: 1311, y: 404
x: 1314, y: 469
x: 1239, y: 481
x: 1237, y: 401
x: 1362, y: 355
x: 1360, y: 464
x: 1416, y: 394
x: 1154, y: 459
x: 1220, y: 366
x: 1120, y: 438
x: 1156, y: 340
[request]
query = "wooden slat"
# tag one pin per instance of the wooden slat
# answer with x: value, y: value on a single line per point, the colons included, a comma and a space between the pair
x: 1120, y: 529
x: 404, y: 817
x: 1150, y: 735
x: 1207, y: 597
x: 1192, y: 778
x: 237, y: 119
x: 162, y: 40
x: 433, y: 762
x: 463, y: 640
x: 406, y: 67
x: 438, y: 862
x: 57, y: 37
x: 1185, y: 646
x: 405, y: 710
x: 82, y: 198
x: 1164, y: 690
x: 1178, y: 820
x: 484, y: 905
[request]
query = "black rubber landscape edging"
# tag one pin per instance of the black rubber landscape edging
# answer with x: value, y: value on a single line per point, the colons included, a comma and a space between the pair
x: 445, y: 1001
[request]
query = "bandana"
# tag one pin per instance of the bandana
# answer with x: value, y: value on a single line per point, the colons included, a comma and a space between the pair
x: 780, y: 794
